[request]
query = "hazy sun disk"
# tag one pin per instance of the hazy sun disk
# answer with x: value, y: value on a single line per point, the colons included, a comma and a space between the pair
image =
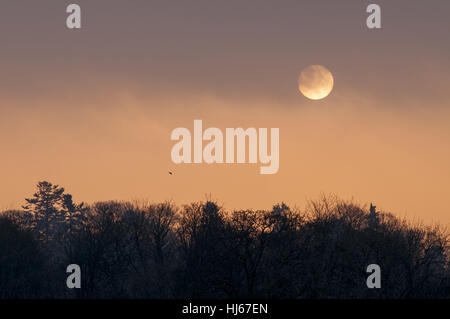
x: 315, y: 82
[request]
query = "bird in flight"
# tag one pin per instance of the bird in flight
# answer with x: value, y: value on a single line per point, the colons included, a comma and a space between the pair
x: 170, y: 173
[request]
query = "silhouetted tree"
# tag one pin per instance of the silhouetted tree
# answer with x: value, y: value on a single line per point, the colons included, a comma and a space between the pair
x: 145, y: 250
x: 51, y: 213
x: 44, y: 209
x: 201, y: 234
x: 21, y: 263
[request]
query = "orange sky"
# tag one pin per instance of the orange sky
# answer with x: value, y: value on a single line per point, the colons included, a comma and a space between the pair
x: 92, y: 110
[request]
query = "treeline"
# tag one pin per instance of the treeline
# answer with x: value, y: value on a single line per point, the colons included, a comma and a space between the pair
x: 145, y: 250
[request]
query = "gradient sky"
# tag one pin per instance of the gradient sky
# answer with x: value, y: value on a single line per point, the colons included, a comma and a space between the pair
x: 92, y: 110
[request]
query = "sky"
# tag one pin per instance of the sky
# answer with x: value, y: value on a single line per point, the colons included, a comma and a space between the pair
x: 93, y: 109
